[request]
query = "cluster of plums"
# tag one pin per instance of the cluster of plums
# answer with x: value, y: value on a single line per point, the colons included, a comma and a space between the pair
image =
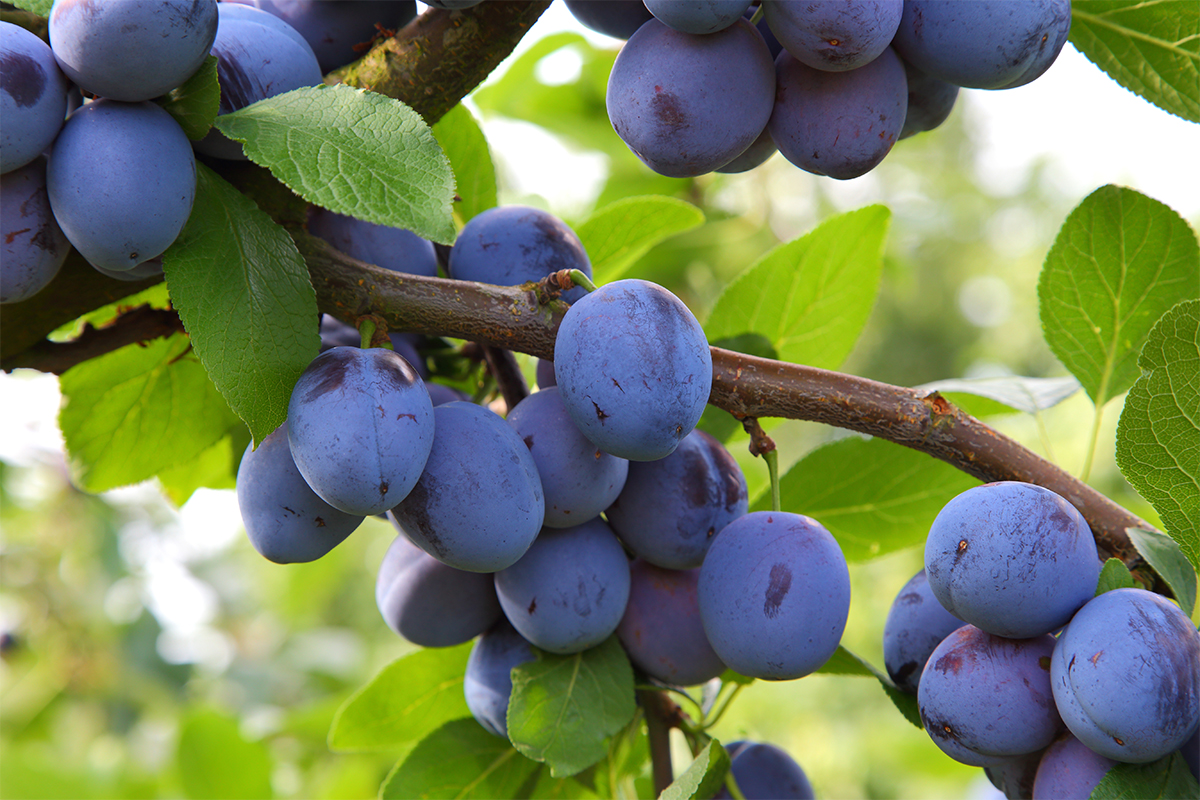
x: 1017, y: 664
x: 832, y: 86
x: 117, y: 177
x: 593, y: 508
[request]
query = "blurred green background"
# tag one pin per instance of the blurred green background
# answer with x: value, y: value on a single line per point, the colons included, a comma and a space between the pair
x: 148, y: 651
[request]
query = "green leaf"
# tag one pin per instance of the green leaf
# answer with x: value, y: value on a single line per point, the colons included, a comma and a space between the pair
x: 809, y: 297
x: 407, y: 700
x: 619, y: 234
x: 1152, y: 49
x: 1168, y: 560
x: 875, y: 497
x: 1030, y: 395
x: 215, y: 761
x: 215, y: 468
x: 1158, y: 435
x: 354, y: 152
x: 1114, y: 575
x: 1119, y: 262
x: 843, y: 662
x: 1165, y: 779
x: 703, y: 778
x: 39, y: 7
x: 131, y: 413
x: 245, y: 298
x: 461, y: 760
x: 195, y: 104
x: 463, y: 143
x: 564, y: 707
x: 549, y: 787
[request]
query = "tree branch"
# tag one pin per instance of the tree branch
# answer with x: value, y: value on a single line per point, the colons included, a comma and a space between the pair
x: 137, y: 325
x: 442, y: 55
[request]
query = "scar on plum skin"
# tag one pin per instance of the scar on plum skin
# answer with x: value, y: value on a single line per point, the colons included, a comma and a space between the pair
x: 532, y: 605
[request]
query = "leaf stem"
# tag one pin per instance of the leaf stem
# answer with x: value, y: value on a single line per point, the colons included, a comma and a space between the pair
x: 715, y: 717
x: 1093, y: 442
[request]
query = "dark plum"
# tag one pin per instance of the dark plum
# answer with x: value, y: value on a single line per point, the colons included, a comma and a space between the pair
x: 930, y: 102
x: 228, y: 10
x: 569, y: 591
x: 1011, y: 558
x: 698, y: 16
x: 687, y: 104
x: 579, y: 481
x: 545, y: 373
x: 634, y: 369
x: 487, y: 683
x: 340, y: 31
x: 840, y: 124
x: 143, y: 271
x: 1191, y: 753
x: 441, y: 394
x: 360, y: 427
x: 661, y: 629
x: 254, y: 61
x: 32, y: 246
x: 836, y: 35
x: 671, y: 509
x: 132, y: 50
x: 774, y: 595
x: 335, y: 333
x: 755, y: 155
x: 766, y: 772
x: 121, y: 180
x: 396, y: 249
x: 985, y: 699
x: 916, y: 624
x: 1014, y: 777
x: 619, y: 19
x: 33, y: 97
x: 1126, y: 676
x: 286, y: 522
x: 510, y: 245
x: 1069, y: 770
x: 429, y: 603
x: 984, y: 44
x: 478, y: 505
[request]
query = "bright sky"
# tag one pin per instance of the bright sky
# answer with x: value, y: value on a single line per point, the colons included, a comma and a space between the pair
x: 1091, y: 130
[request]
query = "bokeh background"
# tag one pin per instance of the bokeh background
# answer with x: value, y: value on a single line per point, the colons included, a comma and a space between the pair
x: 148, y: 651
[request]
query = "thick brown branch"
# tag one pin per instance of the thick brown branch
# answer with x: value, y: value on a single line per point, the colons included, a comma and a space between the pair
x: 442, y: 55
x: 140, y: 324
x: 524, y: 319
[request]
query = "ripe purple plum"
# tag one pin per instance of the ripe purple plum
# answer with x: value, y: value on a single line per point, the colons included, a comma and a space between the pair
x: 766, y: 772
x: 429, y: 603
x: 33, y: 97
x: 1011, y: 558
x: 579, y: 480
x: 396, y: 249
x: 687, y: 104
x: 510, y: 245
x: 32, y: 246
x: 1069, y: 769
x: 634, y: 369
x: 840, y: 124
x: 671, y: 509
x: 916, y: 624
x: 661, y: 630
x: 698, y: 16
x: 487, y: 683
x: 569, y: 591
x: 774, y: 595
x: 985, y: 699
x: 133, y: 50
x: 1126, y: 676
x: 619, y: 19
x: 834, y: 36
x: 360, y: 427
x: 121, y: 180
x: 984, y: 44
x: 285, y: 519
x: 478, y: 505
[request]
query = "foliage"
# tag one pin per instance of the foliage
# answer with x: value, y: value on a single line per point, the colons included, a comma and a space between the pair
x: 1118, y: 309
